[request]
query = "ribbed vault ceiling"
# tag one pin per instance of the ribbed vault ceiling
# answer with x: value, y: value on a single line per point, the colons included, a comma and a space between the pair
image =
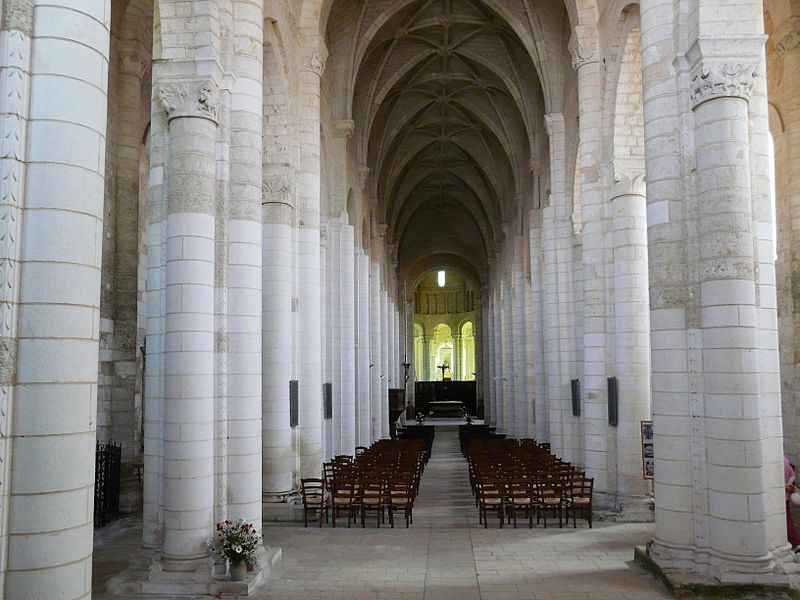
x: 444, y: 98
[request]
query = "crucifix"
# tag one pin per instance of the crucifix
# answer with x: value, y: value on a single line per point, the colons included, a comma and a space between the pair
x: 443, y: 368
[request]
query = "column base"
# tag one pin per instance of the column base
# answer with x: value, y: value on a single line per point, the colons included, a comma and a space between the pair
x: 691, y: 573
x: 282, y: 506
x: 151, y: 574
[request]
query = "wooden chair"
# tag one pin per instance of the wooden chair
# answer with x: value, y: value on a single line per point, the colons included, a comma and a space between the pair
x: 314, y: 499
x: 372, y: 497
x: 519, y: 497
x: 344, y: 496
x: 549, y: 495
x: 579, y: 499
x: 401, y: 497
x: 490, y: 497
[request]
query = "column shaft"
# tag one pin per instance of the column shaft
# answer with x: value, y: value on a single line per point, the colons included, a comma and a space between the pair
x: 347, y: 341
x: 244, y: 286
x: 364, y: 353
x: 52, y: 438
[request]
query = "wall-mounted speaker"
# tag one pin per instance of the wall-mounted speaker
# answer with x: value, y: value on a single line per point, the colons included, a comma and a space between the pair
x: 575, y: 384
x: 294, y: 398
x: 613, y: 402
x: 327, y: 395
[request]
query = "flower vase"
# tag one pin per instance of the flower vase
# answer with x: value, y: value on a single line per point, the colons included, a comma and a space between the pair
x: 238, y: 570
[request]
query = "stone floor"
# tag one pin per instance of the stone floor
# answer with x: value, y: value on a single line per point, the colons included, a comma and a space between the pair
x: 445, y: 555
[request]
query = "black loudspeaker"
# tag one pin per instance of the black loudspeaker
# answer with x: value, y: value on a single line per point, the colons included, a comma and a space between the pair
x: 613, y: 402
x: 294, y: 397
x: 576, y: 397
x: 327, y: 395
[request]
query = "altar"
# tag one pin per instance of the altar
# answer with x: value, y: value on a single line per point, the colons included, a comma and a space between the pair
x: 449, y: 409
x: 446, y: 398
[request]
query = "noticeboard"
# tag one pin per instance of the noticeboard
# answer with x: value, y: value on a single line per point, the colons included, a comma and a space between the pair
x: 648, y: 457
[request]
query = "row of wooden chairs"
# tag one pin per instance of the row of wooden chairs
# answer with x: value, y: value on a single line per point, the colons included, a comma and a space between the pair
x: 511, y: 478
x: 383, y: 479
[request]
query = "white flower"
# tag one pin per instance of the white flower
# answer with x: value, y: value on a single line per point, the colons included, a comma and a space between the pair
x: 238, y: 549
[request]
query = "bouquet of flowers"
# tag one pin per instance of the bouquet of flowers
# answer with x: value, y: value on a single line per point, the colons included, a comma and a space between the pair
x: 235, y: 541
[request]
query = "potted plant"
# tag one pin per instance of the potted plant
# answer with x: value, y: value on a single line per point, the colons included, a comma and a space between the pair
x: 420, y: 418
x: 236, y: 542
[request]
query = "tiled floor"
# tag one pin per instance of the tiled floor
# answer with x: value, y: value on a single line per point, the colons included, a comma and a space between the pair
x: 447, y: 555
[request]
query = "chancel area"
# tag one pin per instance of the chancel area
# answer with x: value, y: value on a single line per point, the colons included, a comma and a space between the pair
x: 436, y: 266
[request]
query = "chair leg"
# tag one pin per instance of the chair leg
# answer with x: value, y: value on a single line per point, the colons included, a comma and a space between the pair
x: 305, y: 516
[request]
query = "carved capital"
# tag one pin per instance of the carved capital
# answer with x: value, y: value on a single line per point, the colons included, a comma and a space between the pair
x: 190, y: 98
x: 277, y: 188
x: 343, y: 128
x: 787, y: 36
x: 362, y: 173
x: 724, y: 80
x: 314, y: 61
x: 582, y: 48
x: 628, y: 184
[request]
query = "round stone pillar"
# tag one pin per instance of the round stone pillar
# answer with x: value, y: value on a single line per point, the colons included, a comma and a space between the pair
x: 309, y: 338
x: 190, y: 353
x: 347, y: 391
x: 49, y: 446
x: 364, y: 356
x: 277, y: 340
x: 244, y: 284
x: 730, y: 393
x: 631, y: 342
x: 376, y: 347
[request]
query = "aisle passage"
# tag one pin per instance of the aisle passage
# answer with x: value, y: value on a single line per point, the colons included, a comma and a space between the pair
x: 445, y: 555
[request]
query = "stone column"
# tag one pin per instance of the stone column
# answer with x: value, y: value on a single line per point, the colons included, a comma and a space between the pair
x: 541, y: 428
x: 557, y: 260
x: 329, y: 332
x: 719, y: 503
x: 786, y: 44
x: 190, y: 355
x: 384, y: 364
x: 391, y: 343
x: 508, y: 345
x: 458, y: 350
x: 376, y: 346
x: 426, y: 359
x: 594, y: 412
x: 631, y: 343
x: 51, y: 336
x: 364, y: 353
x: 244, y: 289
x: 347, y: 341
x: 155, y: 301
x: 277, y: 331
x: 309, y: 340
x: 497, y: 322
x: 520, y: 335
x: 489, y: 399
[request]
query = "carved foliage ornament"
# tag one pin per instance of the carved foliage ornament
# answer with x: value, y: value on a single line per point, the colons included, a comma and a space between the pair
x: 723, y: 80
x: 277, y: 189
x: 314, y: 63
x: 582, y: 51
x: 190, y: 98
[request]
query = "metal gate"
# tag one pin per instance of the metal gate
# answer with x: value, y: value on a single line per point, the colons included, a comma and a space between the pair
x: 106, y: 483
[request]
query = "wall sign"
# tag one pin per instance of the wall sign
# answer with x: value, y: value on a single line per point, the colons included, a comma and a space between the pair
x: 648, y: 458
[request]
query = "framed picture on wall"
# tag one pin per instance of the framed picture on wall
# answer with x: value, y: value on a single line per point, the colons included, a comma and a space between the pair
x: 648, y: 455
